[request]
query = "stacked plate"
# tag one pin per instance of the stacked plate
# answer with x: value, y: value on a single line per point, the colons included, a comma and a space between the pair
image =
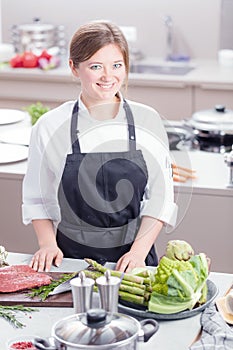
x: 13, y: 141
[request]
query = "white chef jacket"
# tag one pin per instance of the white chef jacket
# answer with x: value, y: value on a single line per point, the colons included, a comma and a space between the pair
x: 51, y: 142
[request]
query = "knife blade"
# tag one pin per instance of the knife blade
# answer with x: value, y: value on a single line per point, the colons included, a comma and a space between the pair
x: 63, y: 287
x: 66, y: 286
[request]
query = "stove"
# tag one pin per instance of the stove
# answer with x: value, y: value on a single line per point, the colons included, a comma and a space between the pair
x: 183, y: 137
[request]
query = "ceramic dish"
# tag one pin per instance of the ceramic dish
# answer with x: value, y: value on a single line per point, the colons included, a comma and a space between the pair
x: 18, y: 136
x: 9, y: 116
x: 25, y: 342
x: 131, y: 309
x: 12, y: 153
x: 220, y: 303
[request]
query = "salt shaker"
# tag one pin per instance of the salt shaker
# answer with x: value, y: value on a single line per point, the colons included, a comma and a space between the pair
x: 82, y: 291
x: 108, y: 289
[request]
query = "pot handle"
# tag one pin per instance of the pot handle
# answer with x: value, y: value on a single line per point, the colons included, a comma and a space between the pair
x: 152, y: 330
x: 43, y: 344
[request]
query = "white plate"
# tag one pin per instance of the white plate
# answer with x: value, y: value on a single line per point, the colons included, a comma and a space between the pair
x: 12, y: 153
x: 9, y: 116
x: 20, y: 136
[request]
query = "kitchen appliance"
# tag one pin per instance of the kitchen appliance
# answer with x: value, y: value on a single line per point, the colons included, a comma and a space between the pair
x: 98, y: 329
x: 37, y: 36
x: 228, y: 157
x: 207, y: 130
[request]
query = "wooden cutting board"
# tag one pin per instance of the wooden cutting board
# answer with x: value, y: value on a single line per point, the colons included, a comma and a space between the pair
x: 22, y: 297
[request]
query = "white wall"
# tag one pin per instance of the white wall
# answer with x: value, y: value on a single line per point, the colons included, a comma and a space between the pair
x: 196, y: 22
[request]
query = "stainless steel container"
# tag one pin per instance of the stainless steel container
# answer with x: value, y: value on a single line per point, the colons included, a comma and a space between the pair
x: 38, y: 36
x: 213, y: 128
x: 98, y: 330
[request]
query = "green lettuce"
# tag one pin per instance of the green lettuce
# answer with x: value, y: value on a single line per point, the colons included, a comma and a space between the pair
x: 179, y: 284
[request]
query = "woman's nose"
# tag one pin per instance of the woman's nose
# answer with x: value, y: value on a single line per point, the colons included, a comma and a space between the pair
x: 107, y: 73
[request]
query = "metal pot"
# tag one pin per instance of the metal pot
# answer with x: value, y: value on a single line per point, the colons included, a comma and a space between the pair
x: 37, y: 36
x: 98, y: 329
x: 214, y: 127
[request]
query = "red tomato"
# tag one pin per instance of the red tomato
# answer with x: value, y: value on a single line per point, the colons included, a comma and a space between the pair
x: 45, y: 54
x: 16, y: 61
x: 30, y: 60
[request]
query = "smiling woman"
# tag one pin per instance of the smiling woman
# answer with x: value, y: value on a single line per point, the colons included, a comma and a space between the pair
x: 99, y: 181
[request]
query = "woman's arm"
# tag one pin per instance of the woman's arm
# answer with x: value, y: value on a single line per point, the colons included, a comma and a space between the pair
x: 147, y: 234
x: 49, y: 252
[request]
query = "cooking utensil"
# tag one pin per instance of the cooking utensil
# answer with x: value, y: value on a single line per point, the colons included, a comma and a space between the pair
x: 97, y: 329
x: 181, y: 174
x: 213, y: 128
x: 38, y: 36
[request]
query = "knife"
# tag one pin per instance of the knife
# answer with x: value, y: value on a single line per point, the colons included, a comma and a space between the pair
x: 65, y: 286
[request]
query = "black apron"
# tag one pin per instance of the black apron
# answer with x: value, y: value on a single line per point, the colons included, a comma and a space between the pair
x: 100, y: 196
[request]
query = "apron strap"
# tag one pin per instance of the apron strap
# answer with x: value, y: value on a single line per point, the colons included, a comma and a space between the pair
x: 74, y: 131
x: 131, y: 128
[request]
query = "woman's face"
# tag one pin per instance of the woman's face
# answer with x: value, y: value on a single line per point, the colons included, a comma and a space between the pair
x: 102, y: 75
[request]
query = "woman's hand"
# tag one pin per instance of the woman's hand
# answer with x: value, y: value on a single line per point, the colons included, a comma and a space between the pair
x: 43, y: 259
x: 129, y: 261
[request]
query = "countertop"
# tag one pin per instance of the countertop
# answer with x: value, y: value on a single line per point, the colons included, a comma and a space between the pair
x: 204, y: 72
x: 172, y: 335
x: 212, y: 173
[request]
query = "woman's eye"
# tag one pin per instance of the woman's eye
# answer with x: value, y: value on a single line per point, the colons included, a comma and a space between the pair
x: 96, y: 67
x: 117, y: 65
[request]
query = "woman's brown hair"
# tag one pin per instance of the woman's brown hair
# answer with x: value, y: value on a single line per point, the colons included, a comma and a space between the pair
x: 92, y: 36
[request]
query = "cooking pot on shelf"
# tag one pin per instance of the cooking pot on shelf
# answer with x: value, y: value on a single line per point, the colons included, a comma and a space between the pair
x: 213, y: 127
x: 37, y: 36
x: 98, y: 329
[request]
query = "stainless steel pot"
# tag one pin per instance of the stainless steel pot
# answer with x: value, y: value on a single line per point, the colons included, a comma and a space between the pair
x: 215, y: 120
x: 213, y: 128
x: 37, y: 36
x: 98, y: 330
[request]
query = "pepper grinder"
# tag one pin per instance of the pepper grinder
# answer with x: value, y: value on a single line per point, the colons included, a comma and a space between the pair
x: 228, y: 157
x: 82, y: 291
x: 108, y: 289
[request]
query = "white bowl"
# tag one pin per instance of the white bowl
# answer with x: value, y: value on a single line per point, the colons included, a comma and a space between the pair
x: 25, y: 342
x: 225, y: 58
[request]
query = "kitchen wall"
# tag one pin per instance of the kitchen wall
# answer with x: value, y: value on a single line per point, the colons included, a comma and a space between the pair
x: 196, y: 23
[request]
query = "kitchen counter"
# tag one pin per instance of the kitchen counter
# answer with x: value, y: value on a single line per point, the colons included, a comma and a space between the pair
x: 203, y: 87
x: 212, y: 174
x: 172, y: 335
x: 204, y: 72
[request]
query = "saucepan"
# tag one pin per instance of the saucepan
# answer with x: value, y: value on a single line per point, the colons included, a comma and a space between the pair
x: 98, y: 329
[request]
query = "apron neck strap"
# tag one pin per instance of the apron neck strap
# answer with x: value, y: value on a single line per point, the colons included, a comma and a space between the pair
x: 74, y: 131
x: 131, y: 128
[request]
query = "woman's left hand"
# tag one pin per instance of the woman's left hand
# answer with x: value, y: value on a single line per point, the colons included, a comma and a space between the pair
x: 129, y: 261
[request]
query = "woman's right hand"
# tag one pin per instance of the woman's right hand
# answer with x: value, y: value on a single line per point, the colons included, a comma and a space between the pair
x: 43, y: 259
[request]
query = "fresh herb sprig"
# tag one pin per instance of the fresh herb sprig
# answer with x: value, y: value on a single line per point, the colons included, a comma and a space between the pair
x: 36, y: 110
x: 9, y: 314
x: 43, y: 291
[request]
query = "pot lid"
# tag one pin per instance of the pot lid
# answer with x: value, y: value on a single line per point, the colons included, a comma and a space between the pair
x: 218, y: 118
x: 96, y: 328
x: 36, y: 26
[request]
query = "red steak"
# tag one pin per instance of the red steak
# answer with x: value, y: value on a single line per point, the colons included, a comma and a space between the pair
x: 20, y: 277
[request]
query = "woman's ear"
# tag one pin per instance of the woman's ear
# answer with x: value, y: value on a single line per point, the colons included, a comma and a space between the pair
x: 73, y: 69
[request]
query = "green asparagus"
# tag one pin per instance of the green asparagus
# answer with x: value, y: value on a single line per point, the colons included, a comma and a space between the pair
x: 126, y: 276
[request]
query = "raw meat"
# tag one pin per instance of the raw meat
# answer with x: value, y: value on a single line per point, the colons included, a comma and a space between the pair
x: 20, y: 277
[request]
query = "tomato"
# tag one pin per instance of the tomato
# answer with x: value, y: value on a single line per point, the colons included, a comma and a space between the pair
x: 16, y: 61
x: 45, y: 54
x: 30, y: 60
